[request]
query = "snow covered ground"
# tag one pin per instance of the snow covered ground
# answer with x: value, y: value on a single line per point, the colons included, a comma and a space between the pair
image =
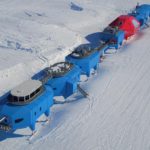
x: 37, y: 33
x: 42, y: 32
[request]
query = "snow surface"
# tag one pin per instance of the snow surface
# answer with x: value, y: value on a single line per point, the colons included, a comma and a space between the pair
x: 37, y: 33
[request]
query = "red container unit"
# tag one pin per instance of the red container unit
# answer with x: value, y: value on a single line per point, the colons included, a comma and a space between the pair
x: 126, y: 23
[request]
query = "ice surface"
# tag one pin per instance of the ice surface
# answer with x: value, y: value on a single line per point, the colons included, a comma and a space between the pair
x: 37, y: 33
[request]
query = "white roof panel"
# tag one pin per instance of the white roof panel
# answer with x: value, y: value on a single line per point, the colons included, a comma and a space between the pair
x: 26, y: 88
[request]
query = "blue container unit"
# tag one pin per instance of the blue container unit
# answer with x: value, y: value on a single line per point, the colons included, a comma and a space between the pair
x: 63, y: 77
x: 86, y: 58
x: 25, y: 104
x: 141, y: 13
x: 112, y: 36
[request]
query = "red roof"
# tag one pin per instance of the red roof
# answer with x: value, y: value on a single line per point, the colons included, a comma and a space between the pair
x: 126, y: 23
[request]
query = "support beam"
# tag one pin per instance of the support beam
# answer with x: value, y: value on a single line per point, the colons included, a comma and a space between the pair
x: 2, y: 119
x: 83, y: 92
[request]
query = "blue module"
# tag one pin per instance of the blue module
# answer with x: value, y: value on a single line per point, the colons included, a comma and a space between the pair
x: 114, y: 36
x: 63, y: 77
x: 141, y: 13
x: 25, y: 104
x: 86, y: 58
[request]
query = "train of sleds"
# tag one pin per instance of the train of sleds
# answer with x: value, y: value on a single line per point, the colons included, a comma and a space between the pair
x: 28, y: 101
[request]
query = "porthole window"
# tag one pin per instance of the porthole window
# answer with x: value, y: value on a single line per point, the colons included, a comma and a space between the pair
x: 35, y: 113
x: 18, y: 120
x: 40, y: 108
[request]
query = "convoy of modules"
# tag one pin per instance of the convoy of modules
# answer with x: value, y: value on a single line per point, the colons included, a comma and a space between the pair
x: 28, y: 101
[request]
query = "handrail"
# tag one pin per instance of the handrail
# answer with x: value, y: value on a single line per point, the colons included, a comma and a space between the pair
x: 2, y: 119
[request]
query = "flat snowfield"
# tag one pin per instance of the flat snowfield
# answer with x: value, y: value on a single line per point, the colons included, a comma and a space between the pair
x: 37, y: 33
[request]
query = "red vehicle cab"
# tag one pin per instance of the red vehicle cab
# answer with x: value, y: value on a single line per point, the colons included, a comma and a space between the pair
x: 126, y: 23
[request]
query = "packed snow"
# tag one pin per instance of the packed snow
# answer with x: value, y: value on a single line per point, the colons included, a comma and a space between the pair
x: 35, y: 34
